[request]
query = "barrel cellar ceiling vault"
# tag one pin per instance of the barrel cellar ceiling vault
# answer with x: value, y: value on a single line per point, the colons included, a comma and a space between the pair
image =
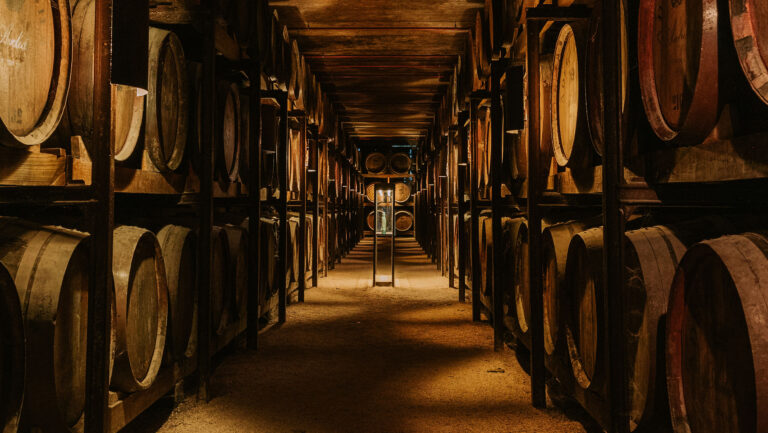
x: 385, y: 64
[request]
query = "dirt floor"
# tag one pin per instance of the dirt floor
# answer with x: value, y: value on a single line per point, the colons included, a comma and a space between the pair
x: 358, y: 359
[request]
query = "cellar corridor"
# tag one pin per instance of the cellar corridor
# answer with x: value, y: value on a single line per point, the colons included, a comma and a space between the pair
x: 358, y: 359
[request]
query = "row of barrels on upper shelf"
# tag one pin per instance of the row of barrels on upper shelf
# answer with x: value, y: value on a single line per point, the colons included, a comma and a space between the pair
x: 694, y: 311
x: 44, y: 274
x: 396, y: 163
x: 47, y: 99
x: 402, y: 191
x: 691, y: 76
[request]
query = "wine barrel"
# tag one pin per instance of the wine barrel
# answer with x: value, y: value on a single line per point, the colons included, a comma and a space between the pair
x: 165, y: 128
x: 370, y: 192
x: 322, y: 242
x: 295, y: 161
x: 309, y: 246
x: 594, y: 86
x: 568, y: 122
x: 750, y: 36
x: 127, y: 102
x: 221, y: 288
x: 472, y: 80
x: 375, y: 162
x: 555, y: 242
x: 179, y: 247
x: 400, y: 163
x: 49, y: 266
x: 678, y: 67
x: 295, y: 84
x: 284, y: 46
x: 269, y: 250
x: 237, y: 243
x: 511, y: 228
x: 35, y: 63
x: 715, y: 335
x: 485, y: 240
x: 228, y: 130
x: 402, y: 192
x: 294, y: 234
x: 245, y: 138
x: 521, y: 278
x: 482, y: 45
x: 141, y: 295
x: 12, y: 369
x: 371, y: 220
x: 403, y: 220
x: 270, y: 125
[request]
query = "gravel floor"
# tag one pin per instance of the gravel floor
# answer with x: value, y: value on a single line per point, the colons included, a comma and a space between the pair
x: 358, y: 359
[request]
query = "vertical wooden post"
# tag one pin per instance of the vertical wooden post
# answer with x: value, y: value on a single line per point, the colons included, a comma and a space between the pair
x: 282, y: 208
x: 303, y: 211
x: 451, y: 171
x: 613, y: 220
x: 474, y: 241
x: 461, y: 172
x: 315, y: 205
x: 254, y: 204
x: 535, y: 265
x: 102, y: 220
x: 497, y: 68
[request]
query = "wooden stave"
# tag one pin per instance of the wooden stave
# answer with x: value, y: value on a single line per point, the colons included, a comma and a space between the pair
x: 482, y: 133
x: 40, y: 259
x: 237, y: 244
x: 744, y: 260
x: 581, y: 152
x: 177, y: 243
x: 295, y: 88
x: 295, y: 161
x: 78, y: 115
x: 750, y: 44
x: 228, y: 131
x: 704, y: 108
x: 371, y: 220
x: 370, y: 192
x: 127, y: 241
x: 403, y: 215
x: 56, y: 97
x: 12, y: 354
x: 160, y: 41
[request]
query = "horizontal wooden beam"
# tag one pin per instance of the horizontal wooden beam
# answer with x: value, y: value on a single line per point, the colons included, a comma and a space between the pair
x: 372, y: 30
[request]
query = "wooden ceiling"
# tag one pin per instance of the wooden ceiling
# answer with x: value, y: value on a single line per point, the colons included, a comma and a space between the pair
x: 385, y: 64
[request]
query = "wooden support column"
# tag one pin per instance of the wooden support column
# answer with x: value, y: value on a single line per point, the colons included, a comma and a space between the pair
x: 461, y: 173
x: 282, y: 208
x: 497, y: 69
x: 254, y: 205
x: 474, y: 241
x: 303, y: 211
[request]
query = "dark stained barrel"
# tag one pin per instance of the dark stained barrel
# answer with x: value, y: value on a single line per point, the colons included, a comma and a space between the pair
x: 400, y: 163
x: 237, y: 243
x: 375, y: 162
x: 49, y: 267
x: 179, y: 246
x: 403, y: 220
x: 679, y: 67
x: 716, y: 337
x: 296, y: 83
x: 221, y: 288
x: 12, y: 369
x: 371, y: 220
x: 511, y: 228
x: 245, y: 137
x: 141, y: 295
x: 228, y: 131
x: 167, y: 112
x: 292, y: 275
x: 35, y: 63
x: 750, y: 35
x: 269, y: 236
x: 269, y: 135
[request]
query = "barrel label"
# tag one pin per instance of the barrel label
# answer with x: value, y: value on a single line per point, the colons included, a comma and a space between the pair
x: 13, y: 46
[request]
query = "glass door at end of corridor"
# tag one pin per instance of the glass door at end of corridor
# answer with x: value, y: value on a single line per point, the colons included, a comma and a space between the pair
x: 384, y: 235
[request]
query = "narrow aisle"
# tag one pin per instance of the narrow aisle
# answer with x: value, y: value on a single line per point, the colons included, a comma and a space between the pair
x: 360, y: 359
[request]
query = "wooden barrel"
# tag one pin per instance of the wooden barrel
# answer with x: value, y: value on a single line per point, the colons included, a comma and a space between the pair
x: 35, y: 63
x: 679, y: 70
x: 594, y: 87
x: 471, y: 78
x: 295, y: 84
x: 715, y: 336
x: 750, y: 36
x: 221, y: 289
x: 403, y: 220
x: 269, y: 250
x: 402, y: 192
x: 228, y: 130
x: 141, y: 296
x: 270, y: 125
x: 521, y: 279
x: 482, y: 45
x: 294, y: 233
x: 375, y: 162
x: 485, y: 239
x: 371, y: 220
x: 370, y: 192
x: 284, y: 72
x: 245, y: 138
x: 12, y: 369
x: 555, y: 242
x: 179, y: 246
x: 511, y: 228
x: 165, y: 128
x: 237, y: 243
x: 569, y: 124
x: 322, y: 242
x: 400, y: 163
x: 49, y: 266
x: 127, y: 102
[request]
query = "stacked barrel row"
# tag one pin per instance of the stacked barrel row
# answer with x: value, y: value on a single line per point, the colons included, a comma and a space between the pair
x: 48, y: 96
x: 45, y: 282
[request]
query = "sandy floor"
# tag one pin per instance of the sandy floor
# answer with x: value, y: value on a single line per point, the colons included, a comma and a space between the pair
x: 360, y: 359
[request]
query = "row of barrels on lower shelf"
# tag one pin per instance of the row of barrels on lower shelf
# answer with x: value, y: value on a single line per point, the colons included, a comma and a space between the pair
x: 44, y: 282
x: 403, y: 221
x: 694, y: 313
x: 402, y: 191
